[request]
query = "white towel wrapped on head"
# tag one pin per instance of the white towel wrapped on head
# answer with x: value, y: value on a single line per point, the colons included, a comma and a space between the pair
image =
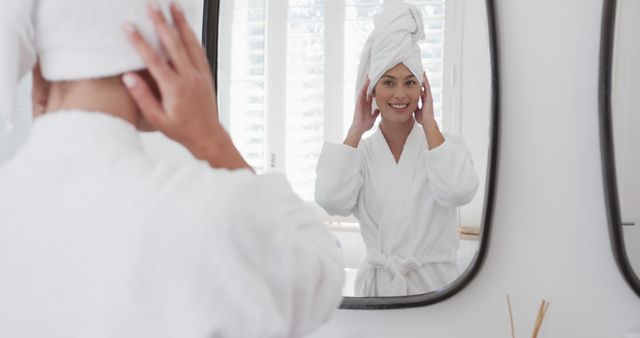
x: 398, y: 28
x: 73, y: 39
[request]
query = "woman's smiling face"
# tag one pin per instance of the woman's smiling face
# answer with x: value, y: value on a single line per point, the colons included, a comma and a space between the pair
x: 397, y: 94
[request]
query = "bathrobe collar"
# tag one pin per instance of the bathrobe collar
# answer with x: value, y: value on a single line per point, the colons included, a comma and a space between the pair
x: 406, y: 166
x: 81, y: 131
x: 415, y: 139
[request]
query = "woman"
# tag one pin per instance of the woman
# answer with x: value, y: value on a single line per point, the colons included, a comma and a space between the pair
x: 405, y: 182
x: 99, y: 240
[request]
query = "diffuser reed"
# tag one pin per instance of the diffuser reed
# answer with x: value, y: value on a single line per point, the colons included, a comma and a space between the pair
x: 542, y: 310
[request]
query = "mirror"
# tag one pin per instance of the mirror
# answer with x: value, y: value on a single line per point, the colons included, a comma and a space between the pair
x: 620, y: 117
x: 286, y: 75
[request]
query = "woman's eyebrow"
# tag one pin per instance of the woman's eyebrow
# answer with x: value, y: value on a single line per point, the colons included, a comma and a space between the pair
x: 410, y: 76
x: 389, y: 76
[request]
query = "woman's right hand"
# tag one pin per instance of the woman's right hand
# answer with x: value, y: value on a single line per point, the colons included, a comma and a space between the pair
x: 363, y: 116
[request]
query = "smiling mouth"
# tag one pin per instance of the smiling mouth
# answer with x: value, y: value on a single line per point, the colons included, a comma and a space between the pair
x: 399, y: 106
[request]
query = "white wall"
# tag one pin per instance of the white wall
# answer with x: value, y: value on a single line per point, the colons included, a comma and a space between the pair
x: 549, y: 235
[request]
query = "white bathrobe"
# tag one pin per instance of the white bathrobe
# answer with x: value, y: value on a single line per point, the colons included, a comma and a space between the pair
x: 407, y: 211
x: 98, y: 240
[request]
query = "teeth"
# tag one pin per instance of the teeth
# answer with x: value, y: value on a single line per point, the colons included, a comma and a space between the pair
x: 400, y: 106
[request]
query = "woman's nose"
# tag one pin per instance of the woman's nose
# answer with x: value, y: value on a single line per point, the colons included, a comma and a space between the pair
x: 399, y: 94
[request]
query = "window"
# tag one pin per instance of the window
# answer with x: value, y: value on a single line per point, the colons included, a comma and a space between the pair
x: 287, y: 72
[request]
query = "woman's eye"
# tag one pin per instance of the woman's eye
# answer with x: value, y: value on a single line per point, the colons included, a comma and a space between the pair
x: 388, y: 83
x: 411, y: 83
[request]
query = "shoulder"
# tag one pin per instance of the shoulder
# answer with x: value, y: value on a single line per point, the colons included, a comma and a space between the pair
x: 372, y: 142
x: 240, y: 186
x: 192, y: 186
x: 235, y: 201
x: 454, y: 139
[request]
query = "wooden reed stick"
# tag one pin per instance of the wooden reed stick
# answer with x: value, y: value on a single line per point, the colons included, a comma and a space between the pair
x: 541, y: 312
x: 513, y: 331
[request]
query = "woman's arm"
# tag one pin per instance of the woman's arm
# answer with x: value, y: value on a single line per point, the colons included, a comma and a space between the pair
x: 187, y: 111
x: 363, y: 117
x: 338, y: 178
x: 452, y: 178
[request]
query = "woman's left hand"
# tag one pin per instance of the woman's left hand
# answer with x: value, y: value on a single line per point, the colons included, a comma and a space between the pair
x: 424, y: 114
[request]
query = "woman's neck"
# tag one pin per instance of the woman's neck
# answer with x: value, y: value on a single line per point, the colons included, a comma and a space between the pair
x: 105, y: 95
x: 396, y: 133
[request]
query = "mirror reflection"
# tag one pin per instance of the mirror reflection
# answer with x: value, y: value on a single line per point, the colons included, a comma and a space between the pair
x: 625, y: 110
x: 379, y: 114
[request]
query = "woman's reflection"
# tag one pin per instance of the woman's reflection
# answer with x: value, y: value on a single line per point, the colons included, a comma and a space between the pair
x: 405, y: 182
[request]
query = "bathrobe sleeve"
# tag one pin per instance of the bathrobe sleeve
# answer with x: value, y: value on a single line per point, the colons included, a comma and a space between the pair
x: 449, y: 167
x: 294, y: 249
x: 18, y: 54
x: 339, y: 178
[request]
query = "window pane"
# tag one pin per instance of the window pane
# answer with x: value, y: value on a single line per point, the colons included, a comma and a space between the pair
x: 305, y: 93
x: 246, y: 88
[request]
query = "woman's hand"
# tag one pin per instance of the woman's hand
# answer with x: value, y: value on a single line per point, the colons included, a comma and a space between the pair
x: 363, y: 117
x: 424, y: 114
x: 187, y: 111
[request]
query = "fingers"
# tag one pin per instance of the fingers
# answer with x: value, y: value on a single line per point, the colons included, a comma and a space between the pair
x: 194, y: 48
x: 147, y: 103
x: 160, y: 70
x: 426, y: 84
x: 169, y: 38
x: 363, y: 92
x: 365, y: 89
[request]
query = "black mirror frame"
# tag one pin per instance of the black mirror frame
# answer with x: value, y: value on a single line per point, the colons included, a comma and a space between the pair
x: 210, y: 23
x: 210, y: 41
x: 607, y: 147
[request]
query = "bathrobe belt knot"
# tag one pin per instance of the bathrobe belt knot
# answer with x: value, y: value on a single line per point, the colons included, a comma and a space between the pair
x: 398, y: 266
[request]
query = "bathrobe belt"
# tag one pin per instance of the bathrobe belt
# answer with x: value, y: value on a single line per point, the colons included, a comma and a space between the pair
x: 398, y: 266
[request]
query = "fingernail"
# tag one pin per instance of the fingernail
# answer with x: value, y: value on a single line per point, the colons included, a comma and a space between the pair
x: 129, y: 80
x: 128, y: 27
x: 177, y: 6
x: 154, y: 5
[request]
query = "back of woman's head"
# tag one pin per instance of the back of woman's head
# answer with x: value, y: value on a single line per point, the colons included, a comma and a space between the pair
x: 72, y: 40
